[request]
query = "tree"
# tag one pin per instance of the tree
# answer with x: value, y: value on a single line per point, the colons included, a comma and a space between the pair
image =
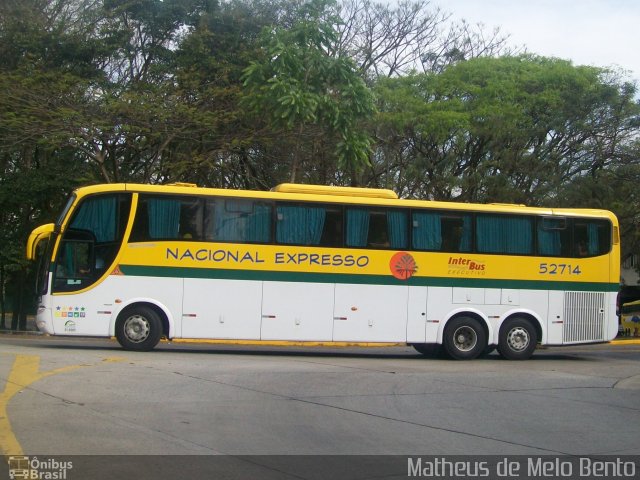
x: 307, y: 93
x: 217, y: 143
x: 47, y: 62
x: 134, y: 108
x: 395, y: 39
x: 512, y: 129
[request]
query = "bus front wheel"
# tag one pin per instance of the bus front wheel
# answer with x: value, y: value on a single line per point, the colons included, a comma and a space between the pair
x: 464, y: 338
x: 518, y: 339
x: 139, y: 328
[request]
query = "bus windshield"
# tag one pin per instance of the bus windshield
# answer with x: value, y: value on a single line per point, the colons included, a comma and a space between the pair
x: 91, y: 241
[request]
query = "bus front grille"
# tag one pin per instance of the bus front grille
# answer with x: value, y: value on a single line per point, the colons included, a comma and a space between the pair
x: 584, y: 317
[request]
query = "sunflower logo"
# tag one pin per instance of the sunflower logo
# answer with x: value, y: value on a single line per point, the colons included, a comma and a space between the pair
x: 403, y: 266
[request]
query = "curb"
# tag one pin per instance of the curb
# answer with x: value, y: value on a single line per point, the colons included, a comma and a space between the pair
x: 625, y: 341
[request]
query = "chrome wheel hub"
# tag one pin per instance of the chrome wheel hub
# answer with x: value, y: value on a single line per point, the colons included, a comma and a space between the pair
x: 518, y: 339
x: 465, y: 338
x: 136, y: 328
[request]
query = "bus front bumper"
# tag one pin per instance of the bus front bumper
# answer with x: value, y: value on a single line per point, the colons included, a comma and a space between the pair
x: 44, y: 320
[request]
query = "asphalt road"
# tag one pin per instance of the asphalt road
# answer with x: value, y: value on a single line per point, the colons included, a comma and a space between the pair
x: 71, y: 396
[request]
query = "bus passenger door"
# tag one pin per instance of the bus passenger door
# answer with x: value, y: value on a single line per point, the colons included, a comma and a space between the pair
x: 227, y: 309
x: 370, y: 313
x: 297, y: 311
x: 555, y: 318
x: 417, y: 315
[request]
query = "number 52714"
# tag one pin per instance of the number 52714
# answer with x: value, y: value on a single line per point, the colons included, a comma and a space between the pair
x: 559, y: 269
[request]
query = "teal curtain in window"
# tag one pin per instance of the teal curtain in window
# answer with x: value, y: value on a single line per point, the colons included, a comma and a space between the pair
x: 427, y: 231
x: 258, y: 227
x: 397, y: 229
x: 357, y: 227
x: 504, y: 235
x: 164, y: 218
x: 98, y: 215
x: 300, y: 225
x: 594, y: 245
x: 548, y: 241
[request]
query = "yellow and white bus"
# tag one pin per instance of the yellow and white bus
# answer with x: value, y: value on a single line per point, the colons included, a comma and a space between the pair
x: 325, y: 264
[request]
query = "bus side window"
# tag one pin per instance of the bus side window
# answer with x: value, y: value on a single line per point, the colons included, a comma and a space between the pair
x: 439, y: 231
x: 456, y: 233
x: 397, y: 228
x: 299, y: 224
x: 190, y: 219
x: 333, y: 225
x: 370, y: 228
x: 591, y: 238
x: 357, y: 227
x: 378, y: 236
x: 140, y: 229
x: 553, y: 236
x: 167, y: 217
x: 237, y: 220
x: 504, y: 234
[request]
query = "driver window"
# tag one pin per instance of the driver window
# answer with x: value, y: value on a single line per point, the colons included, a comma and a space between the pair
x: 75, y: 265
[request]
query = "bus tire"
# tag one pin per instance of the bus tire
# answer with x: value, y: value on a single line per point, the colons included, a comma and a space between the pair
x: 464, y: 338
x: 432, y: 350
x: 488, y: 351
x: 518, y: 339
x: 139, y: 328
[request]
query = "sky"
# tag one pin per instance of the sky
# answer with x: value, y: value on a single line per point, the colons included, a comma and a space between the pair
x: 602, y: 33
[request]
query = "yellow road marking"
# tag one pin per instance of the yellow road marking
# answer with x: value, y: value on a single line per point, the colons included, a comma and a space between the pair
x: 626, y: 341
x: 113, y: 359
x: 25, y: 371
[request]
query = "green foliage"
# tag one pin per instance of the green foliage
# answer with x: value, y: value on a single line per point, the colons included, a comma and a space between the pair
x: 298, y: 83
x: 512, y: 129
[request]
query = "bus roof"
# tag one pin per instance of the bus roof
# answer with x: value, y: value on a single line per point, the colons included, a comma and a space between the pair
x: 332, y: 190
x: 352, y: 195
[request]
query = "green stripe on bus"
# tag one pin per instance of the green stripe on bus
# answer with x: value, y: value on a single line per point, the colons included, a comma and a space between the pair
x: 361, y: 279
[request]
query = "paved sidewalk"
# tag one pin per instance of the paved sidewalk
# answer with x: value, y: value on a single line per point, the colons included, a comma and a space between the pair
x: 31, y: 327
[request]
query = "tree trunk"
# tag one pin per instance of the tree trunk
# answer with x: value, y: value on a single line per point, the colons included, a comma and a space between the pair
x: 19, y: 315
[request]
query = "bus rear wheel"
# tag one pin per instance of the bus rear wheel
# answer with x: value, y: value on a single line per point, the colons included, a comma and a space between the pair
x: 138, y: 328
x: 518, y: 339
x: 464, y: 338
